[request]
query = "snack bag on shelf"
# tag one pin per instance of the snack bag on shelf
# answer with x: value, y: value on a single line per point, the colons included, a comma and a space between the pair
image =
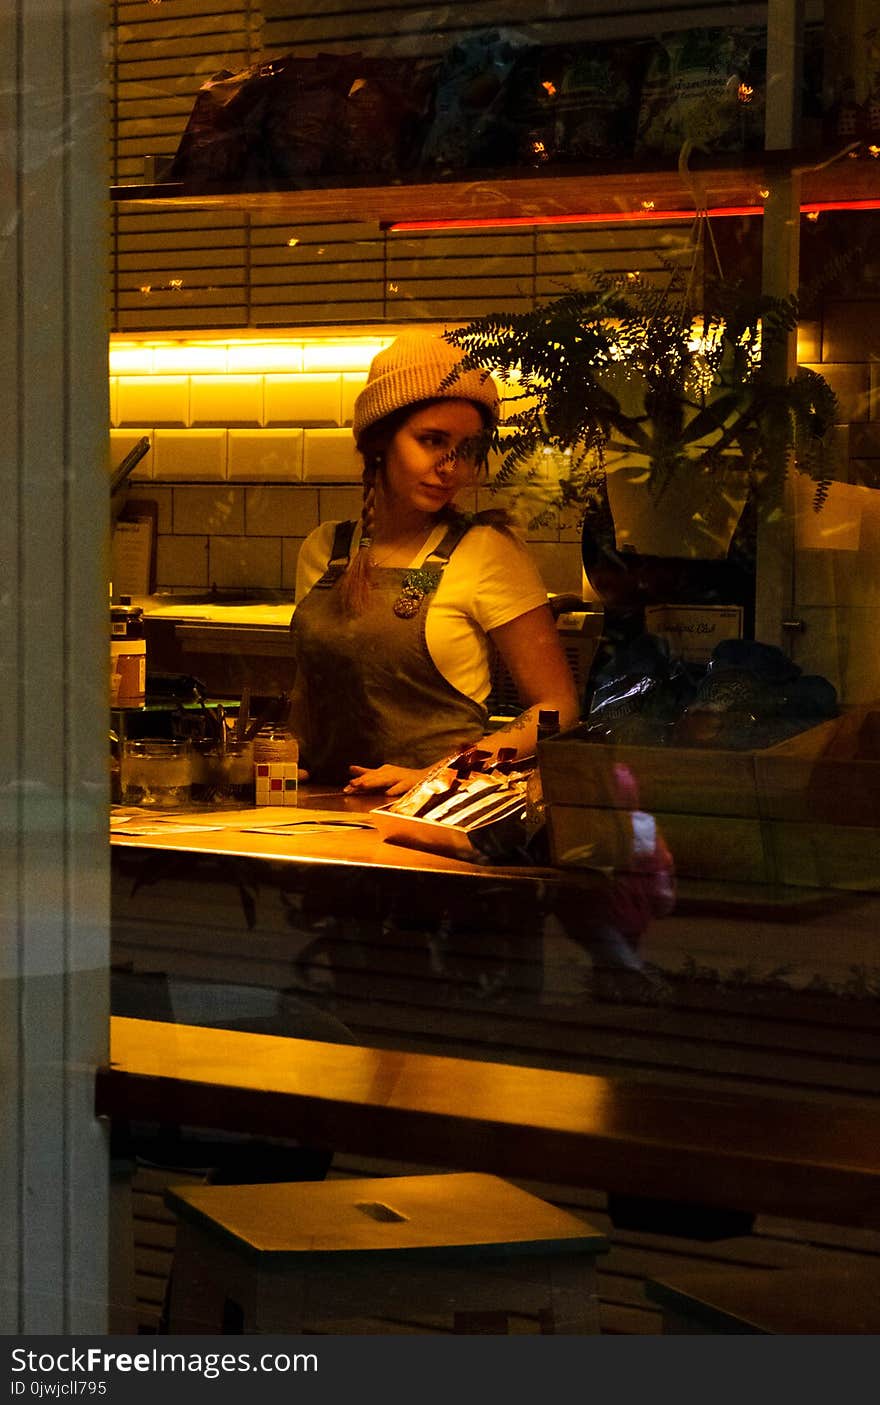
x: 706, y: 87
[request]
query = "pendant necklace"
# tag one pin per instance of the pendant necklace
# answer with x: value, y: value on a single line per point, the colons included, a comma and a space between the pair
x: 417, y: 583
x: 416, y: 538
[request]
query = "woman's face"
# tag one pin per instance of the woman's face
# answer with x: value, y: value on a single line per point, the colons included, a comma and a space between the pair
x: 428, y: 460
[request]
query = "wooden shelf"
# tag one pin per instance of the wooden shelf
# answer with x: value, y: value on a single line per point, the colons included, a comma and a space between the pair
x: 626, y: 192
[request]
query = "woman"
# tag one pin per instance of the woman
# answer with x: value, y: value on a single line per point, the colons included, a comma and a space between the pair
x: 397, y: 615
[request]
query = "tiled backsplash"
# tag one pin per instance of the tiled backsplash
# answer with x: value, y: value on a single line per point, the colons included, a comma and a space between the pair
x: 251, y: 447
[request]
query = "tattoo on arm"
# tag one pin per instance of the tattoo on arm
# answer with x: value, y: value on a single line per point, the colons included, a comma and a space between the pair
x: 519, y: 724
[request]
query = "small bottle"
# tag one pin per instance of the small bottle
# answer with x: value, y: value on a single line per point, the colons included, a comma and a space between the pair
x: 128, y: 654
x: 548, y: 726
x: 548, y: 723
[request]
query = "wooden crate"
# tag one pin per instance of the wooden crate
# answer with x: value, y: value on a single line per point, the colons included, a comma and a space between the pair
x: 803, y: 812
x: 822, y: 807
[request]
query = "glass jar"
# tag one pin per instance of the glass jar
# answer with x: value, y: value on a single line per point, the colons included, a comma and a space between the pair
x: 232, y: 774
x: 276, y: 744
x: 157, y: 774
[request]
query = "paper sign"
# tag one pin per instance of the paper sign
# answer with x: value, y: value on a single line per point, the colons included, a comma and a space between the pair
x: 693, y: 631
x: 132, y: 556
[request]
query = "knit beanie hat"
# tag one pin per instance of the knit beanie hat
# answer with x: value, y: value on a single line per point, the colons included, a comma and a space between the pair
x: 413, y: 368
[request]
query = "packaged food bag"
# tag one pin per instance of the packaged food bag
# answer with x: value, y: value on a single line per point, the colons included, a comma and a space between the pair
x: 224, y: 126
x: 707, y: 87
x: 471, y: 123
x: 305, y: 113
x: 384, y: 115
x: 598, y: 89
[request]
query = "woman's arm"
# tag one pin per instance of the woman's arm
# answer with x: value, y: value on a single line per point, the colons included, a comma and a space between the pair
x: 530, y: 647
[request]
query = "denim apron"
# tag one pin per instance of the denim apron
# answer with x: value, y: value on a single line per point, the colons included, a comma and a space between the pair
x: 366, y: 689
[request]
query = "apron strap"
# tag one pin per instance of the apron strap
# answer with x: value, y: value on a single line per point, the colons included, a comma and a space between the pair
x: 340, y: 552
x: 444, y: 549
x: 340, y: 555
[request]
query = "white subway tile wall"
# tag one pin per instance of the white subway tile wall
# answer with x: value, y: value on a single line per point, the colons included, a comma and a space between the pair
x: 226, y: 399
x: 273, y: 510
x: 303, y: 400
x: 156, y: 400
x: 182, y: 562
x: 122, y: 441
x: 265, y: 455
x: 189, y: 455
x: 329, y: 456
x: 245, y: 562
x: 340, y: 504
x: 252, y: 448
x: 217, y: 511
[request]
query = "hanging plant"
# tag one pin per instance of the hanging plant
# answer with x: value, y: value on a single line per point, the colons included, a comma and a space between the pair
x: 626, y: 374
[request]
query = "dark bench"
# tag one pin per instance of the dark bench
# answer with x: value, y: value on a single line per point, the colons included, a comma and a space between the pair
x: 794, y: 1302
x: 727, y: 1151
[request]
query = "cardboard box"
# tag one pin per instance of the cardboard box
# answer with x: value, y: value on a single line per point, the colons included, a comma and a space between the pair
x: 804, y: 812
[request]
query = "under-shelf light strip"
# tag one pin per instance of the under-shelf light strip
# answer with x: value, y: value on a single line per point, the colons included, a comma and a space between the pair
x: 640, y: 216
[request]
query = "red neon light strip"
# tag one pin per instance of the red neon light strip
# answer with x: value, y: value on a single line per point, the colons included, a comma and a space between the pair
x: 617, y: 217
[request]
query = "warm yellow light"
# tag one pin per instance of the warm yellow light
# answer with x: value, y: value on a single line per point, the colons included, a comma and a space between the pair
x: 127, y: 360
x: 353, y: 354
x: 244, y: 356
x: 265, y: 357
x: 764, y: 194
x: 647, y: 204
x: 190, y: 358
x: 744, y: 93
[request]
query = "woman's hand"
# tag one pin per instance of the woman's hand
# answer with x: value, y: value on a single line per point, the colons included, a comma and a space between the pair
x: 393, y: 780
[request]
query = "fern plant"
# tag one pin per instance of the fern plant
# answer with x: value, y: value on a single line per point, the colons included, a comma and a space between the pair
x: 623, y: 373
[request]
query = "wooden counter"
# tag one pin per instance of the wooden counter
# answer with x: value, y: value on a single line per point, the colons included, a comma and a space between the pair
x: 751, y: 984
x: 762, y: 991
x: 233, y: 832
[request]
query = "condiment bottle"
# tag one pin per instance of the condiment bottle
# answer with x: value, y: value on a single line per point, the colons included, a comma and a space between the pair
x: 548, y: 726
x: 548, y: 723
x: 128, y: 654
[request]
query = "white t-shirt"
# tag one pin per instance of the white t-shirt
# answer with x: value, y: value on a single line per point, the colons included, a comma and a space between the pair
x: 489, y: 580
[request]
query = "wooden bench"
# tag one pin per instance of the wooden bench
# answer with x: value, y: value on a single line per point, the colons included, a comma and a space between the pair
x: 737, y: 1152
x: 796, y: 1302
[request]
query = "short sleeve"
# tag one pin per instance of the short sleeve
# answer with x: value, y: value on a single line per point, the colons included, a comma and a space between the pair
x: 314, y: 554
x: 507, y: 582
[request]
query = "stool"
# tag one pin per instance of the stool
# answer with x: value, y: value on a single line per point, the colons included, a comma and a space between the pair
x: 789, y: 1302
x: 461, y: 1252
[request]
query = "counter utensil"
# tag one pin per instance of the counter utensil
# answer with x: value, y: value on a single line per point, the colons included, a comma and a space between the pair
x: 241, y: 720
x: 268, y: 717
